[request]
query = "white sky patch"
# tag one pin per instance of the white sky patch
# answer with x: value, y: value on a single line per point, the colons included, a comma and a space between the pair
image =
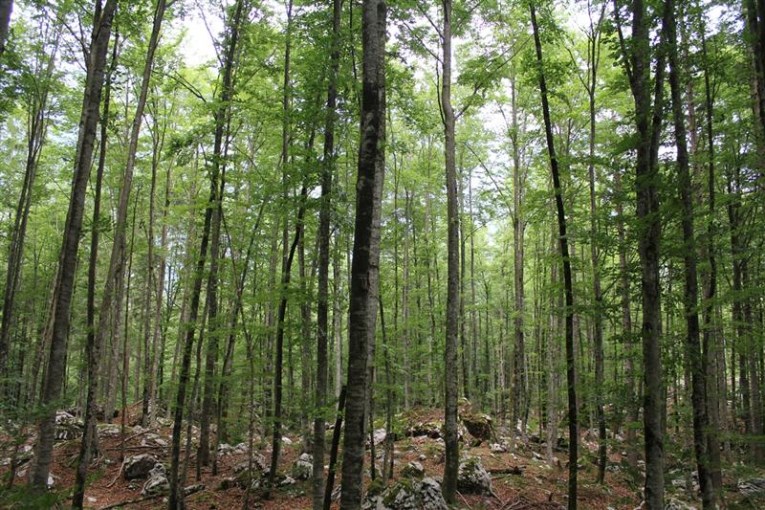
x: 198, y: 47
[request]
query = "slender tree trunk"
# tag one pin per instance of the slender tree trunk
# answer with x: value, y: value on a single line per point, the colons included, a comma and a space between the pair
x: 6, y: 8
x: 68, y: 259
x: 117, y: 259
x: 648, y: 120
x: 322, y: 304
x: 711, y: 347
x: 593, y: 60
x: 567, y: 280
x: 37, y: 128
x: 691, y: 295
x: 453, y: 256
x: 519, y: 225
x: 372, y: 138
x: 220, y: 150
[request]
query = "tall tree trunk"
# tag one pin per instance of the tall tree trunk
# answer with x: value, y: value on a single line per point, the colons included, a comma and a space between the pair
x: 372, y: 138
x: 220, y: 150
x: 691, y: 293
x: 567, y: 281
x: 6, y: 8
x: 453, y: 256
x: 279, y: 347
x: 593, y: 61
x: 322, y: 300
x: 519, y: 225
x: 711, y: 347
x: 91, y: 351
x: 648, y: 120
x: 37, y: 128
x: 64, y: 287
x: 117, y: 259
x: 156, y: 291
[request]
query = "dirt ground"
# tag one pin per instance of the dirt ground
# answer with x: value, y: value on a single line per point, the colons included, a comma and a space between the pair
x: 521, y: 477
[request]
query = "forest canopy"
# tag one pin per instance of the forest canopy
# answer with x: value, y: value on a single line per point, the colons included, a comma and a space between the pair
x: 528, y: 231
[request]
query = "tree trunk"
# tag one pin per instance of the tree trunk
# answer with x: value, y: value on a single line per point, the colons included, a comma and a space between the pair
x: 117, y: 259
x: 453, y: 256
x: 220, y: 150
x: 713, y: 349
x: 372, y: 138
x: 68, y: 259
x: 322, y: 300
x: 37, y: 121
x: 648, y: 119
x: 567, y: 281
x: 691, y: 294
x: 6, y: 8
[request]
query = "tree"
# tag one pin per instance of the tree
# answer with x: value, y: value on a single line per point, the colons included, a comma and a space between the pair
x: 451, y: 465
x: 322, y: 301
x: 573, y: 425
x: 360, y: 327
x: 691, y: 295
x: 637, y: 60
x: 6, y: 8
x: 99, y: 42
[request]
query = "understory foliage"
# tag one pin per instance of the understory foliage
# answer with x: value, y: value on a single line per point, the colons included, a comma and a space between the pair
x: 221, y: 248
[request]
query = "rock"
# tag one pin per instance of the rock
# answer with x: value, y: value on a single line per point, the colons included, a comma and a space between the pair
x: 676, y: 504
x: 408, y: 495
x: 422, y: 457
x: 139, y: 466
x: 431, y: 495
x: 497, y: 448
x: 473, y: 478
x: 243, y: 474
x: 287, y: 481
x: 67, y: 426
x: 303, y: 467
x: 258, y: 463
x: 379, y: 436
x: 479, y: 426
x: 432, y: 429
x: 109, y: 429
x: 51, y: 481
x: 157, y: 483
x: 164, y: 422
x: 241, y: 448
x: 191, y: 489
x: 286, y: 440
x: 225, y: 449
x: 413, y: 470
x: 752, y: 487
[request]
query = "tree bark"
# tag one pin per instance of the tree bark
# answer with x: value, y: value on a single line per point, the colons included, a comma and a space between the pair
x: 567, y: 280
x: 6, y: 8
x: 322, y: 304
x: 117, y: 259
x: 453, y: 257
x: 38, y: 124
x: 221, y: 118
x: 648, y: 120
x: 67, y: 265
x: 372, y: 138
x: 691, y: 292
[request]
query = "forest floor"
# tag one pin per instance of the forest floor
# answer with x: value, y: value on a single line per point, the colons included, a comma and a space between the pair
x: 522, y: 478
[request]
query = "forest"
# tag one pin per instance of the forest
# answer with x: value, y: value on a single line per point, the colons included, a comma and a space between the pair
x: 390, y: 255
